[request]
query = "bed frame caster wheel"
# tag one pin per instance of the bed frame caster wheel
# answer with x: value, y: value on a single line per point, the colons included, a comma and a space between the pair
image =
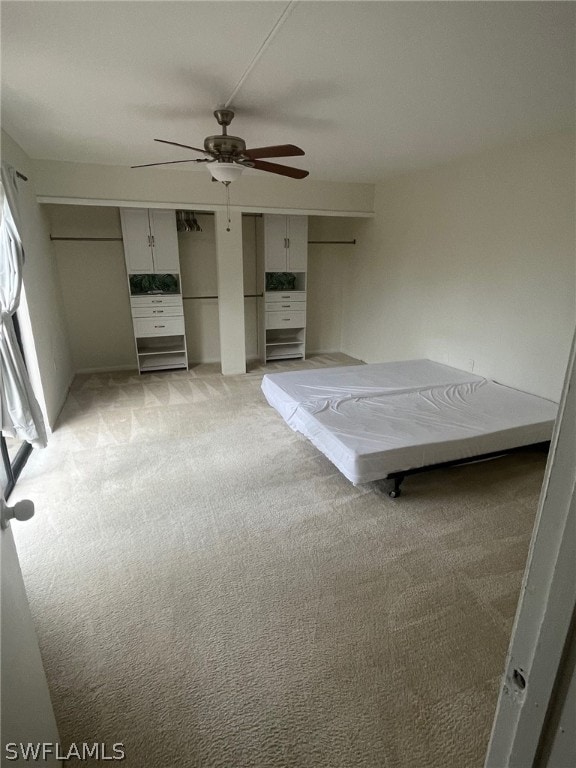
x: 394, y: 484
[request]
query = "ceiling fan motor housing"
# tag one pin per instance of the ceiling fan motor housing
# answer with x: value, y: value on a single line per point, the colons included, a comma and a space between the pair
x: 225, y: 148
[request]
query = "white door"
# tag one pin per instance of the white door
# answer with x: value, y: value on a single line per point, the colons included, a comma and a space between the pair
x: 164, y: 241
x: 275, y: 243
x: 298, y: 243
x: 27, y: 715
x: 137, y: 242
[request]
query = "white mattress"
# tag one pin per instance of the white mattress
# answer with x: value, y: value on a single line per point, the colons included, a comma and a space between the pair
x: 286, y: 391
x: 406, y: 424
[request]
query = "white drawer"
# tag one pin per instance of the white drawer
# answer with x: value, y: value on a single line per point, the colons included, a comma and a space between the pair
x: 286, y: 319
x: 281, y: 306
x: 158, y: 326
x: 157, y: 311
x: 285, y: 296
x: 154, y: 300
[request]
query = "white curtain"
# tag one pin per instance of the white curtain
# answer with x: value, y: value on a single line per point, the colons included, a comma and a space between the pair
x: 21, y: 414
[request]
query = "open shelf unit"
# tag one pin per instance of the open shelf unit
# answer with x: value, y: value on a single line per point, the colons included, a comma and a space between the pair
x: 161, y: 352
x: 285, y: 343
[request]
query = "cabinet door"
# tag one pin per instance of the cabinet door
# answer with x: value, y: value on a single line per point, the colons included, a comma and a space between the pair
x: 164, y: 240
x: 136, y: 236
x: 298, y: 243
x: 275, y: 243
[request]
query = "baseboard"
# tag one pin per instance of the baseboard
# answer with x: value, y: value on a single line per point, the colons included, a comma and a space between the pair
x: 107, y: 369
x: 322, y: 352
x: 116, y: 368
x: 211, y: 361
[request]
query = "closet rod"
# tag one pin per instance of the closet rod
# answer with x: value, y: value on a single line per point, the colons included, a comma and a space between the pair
x: 246, y: 296
x: 119, y: 239
x: 332, y: 242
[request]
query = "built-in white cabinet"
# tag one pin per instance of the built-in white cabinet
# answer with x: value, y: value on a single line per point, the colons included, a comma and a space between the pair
x: 285, y: 324
x: 159, y: 332
x: 285, y: 243
x: 285, y: 263
x: 150, y: 240
x: 153, y: 267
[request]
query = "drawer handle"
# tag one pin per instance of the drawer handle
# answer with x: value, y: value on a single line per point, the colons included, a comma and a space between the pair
x: 286, y: 297
x: 159, y: 326
x: 158, y: 311
x: 285, y: 306
x: 286, y: 319
x: 156, y: 301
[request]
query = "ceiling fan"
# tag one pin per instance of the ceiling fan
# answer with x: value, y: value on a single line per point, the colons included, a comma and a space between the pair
x: 227, y: 156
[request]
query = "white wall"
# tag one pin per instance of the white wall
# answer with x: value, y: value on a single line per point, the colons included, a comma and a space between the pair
x: 199, y: 278
x: 472, y: 261
x: 328, y: 266
x: 94, y: 287
x: 49, y: 362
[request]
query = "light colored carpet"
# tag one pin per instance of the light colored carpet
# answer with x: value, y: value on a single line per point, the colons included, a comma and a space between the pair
x: 209, y: 591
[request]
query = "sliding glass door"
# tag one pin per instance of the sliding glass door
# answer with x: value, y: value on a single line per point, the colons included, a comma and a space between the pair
x: 14, y: 456
x: 13, y: 452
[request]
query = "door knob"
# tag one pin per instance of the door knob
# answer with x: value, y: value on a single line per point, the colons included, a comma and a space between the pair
x: 22, y: 510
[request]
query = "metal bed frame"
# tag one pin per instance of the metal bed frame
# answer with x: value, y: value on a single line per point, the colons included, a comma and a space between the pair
x: 397, y: 478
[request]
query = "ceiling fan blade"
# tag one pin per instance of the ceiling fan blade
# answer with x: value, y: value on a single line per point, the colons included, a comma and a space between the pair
x: 186, y: 146
x: 281, y: 170
x: 280, y: 150
x: 172, y: 162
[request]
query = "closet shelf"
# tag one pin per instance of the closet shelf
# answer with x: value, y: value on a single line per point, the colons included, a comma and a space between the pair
x: 284, y: 341
x: 286, y: 356
x: 157, y: 363
x: 161, y: 350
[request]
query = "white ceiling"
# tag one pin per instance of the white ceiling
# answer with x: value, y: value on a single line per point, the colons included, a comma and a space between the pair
x: 367, y: 89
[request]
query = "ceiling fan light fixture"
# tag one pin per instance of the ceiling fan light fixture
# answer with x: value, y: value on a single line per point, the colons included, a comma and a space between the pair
x: 225, y: 172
